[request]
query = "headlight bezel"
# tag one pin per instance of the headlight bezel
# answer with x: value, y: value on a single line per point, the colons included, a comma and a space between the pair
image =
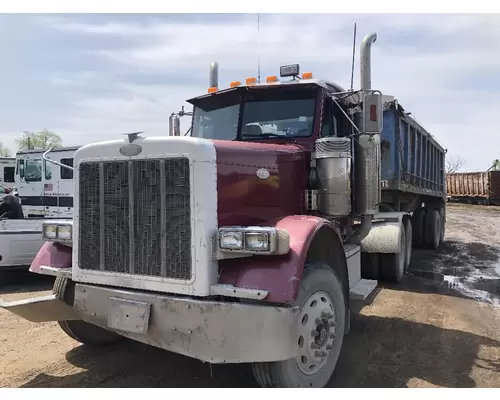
x: 278, y: 240
x: 58, y: 226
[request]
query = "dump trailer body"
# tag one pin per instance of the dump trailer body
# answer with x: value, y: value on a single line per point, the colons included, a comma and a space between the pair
x: 412, y: 161
x: 480, y: 187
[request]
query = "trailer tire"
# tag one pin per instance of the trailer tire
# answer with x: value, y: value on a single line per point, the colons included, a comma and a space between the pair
x: 432, y: 228
x: 442, y: 215
x: 393, y: 264
x: 370, y: 266
x: 408, y: 241
x: 418, y: 225
x: 321, y: 298
x: 81, y: 331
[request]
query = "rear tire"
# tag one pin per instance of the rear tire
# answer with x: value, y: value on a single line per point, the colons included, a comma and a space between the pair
x: 418, y: 225
x: 393, y: 264
x: 81, y: 331
x: 323, y: 304
x: 432, y: 228
x: 408, y: 242
x: 442, y: 215
x: 370, y: 266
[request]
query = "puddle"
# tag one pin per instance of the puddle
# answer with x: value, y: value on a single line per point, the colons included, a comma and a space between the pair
x: 470, y: 269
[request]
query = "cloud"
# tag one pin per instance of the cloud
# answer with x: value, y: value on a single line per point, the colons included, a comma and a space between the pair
x: 133, y: 71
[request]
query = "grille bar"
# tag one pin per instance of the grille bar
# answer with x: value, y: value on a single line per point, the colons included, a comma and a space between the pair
x: 131, y: 249
x: 135, y: 217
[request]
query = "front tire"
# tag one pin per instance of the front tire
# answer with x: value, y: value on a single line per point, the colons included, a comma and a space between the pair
x: 320, y: 334
x: 81, y: 331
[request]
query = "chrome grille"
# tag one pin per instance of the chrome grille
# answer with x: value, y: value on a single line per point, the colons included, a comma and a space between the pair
x: 135, y: 217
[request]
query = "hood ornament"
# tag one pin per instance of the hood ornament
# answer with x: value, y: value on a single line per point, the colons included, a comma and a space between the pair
x: 133, y: 136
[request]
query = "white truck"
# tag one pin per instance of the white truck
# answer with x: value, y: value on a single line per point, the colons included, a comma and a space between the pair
x: 44, y: 186
x: 7, y: 173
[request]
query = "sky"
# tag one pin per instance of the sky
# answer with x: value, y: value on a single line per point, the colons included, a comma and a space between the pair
x: 92, y: 77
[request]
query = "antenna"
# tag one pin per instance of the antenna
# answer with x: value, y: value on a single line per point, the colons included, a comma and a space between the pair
x: 353, y: 57
x: 258, y: 48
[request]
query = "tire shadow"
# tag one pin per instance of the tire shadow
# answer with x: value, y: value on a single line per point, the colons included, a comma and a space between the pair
x: 378, y: 352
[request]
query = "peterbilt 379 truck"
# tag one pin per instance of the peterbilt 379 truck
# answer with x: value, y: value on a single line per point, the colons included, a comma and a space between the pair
x: 245, y: 241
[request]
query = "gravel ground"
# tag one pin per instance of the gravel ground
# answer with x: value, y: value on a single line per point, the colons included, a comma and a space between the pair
x: 439, y: 328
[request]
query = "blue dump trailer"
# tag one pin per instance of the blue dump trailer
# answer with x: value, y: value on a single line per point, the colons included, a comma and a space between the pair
x: 413, y: 174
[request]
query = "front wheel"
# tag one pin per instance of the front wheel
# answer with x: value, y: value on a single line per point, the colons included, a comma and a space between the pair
x: 78, y: 330
x: 321, y: 328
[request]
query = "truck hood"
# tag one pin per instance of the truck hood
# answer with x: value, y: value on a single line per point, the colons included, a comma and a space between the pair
x: 259, y: 182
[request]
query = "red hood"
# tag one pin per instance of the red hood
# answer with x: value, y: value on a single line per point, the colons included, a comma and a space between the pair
x: 244, y: 198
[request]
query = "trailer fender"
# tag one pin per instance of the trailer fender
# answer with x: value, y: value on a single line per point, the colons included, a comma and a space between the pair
x: 385, y: 234
x: 281, y: 275
x: 52, y: 255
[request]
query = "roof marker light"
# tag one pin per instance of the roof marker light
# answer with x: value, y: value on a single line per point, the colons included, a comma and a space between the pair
x: 251, y: 81
x: 213, y: 89
x: 307, y: 75
x: 234, y: 84
x: 272, y: 78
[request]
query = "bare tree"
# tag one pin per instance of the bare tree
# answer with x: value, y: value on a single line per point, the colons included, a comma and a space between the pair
x: 453, y: 164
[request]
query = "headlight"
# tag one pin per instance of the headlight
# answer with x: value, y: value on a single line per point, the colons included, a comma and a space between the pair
x: 49, y: 231
x: 64, y: 232
x: 254, y: 240
x: 231, y: 240
x: 57, y: 231
x: 257, y: 241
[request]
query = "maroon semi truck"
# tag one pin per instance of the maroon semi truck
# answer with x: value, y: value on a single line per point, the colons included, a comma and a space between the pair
x: 243, y: 242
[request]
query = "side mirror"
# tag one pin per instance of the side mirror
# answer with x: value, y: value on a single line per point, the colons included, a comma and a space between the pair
x: 373, y: 114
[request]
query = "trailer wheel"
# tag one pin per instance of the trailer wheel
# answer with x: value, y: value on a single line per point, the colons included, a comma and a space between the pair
x: 432, y: 228
x: 393, y: 264
x: 320, y: 334
x: 370, y: 266
x: 81, y: 331
x: 442, y: 214
x: 418, y: 225
x: 408, y: 241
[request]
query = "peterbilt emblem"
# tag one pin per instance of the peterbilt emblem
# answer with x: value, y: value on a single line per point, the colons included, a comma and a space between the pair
x: 130, y: 150
x: 262, y: 173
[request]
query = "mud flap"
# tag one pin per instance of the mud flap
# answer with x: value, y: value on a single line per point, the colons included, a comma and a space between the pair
x: 41, y: 309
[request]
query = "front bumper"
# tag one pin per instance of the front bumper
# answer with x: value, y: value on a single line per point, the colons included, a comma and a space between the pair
x: 212, y: 331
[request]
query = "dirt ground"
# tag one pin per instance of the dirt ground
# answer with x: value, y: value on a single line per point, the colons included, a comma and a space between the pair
x: 439, y: 328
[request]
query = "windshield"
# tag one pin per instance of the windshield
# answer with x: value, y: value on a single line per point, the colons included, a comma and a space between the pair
x: 278, y: 118
x: 33, y: 170
x: 216, y: 124
x: 260, y: 114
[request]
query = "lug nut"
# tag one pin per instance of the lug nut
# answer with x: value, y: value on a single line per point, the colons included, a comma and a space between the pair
x: 317, y: 353
x: 318, y: 321
x: 328, y: 347
x: 314, y: 346
x: 324, y: 354
x: 332, y: 323
x: 314, y: 333
x: 332, y: 335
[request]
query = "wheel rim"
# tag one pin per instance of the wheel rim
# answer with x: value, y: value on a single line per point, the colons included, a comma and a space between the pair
x: 317, y: 332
